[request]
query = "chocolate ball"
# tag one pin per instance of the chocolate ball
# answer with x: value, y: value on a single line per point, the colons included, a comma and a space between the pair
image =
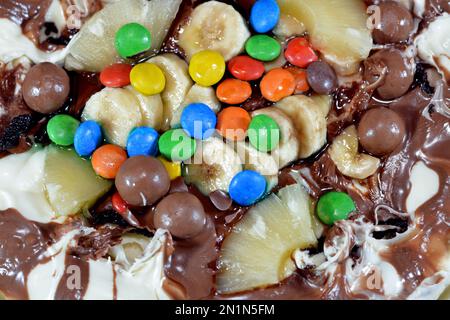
x: 46, y: 87
x: 399, y: 74
x: 395, y: 25
x: 142, y: 180
x: 321, y: 77
x: 380, y: 131
x: 182, y: 214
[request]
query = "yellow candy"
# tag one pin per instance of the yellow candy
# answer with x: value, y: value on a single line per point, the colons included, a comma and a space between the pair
x: 173, y: 168
x: 147, y: 78
x: 207, y: 67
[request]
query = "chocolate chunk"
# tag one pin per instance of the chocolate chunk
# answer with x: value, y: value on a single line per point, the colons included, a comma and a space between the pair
x: 182, y: 214
x: 142, y: 181
x: 96, y: 244
x: 398, y: 73
x: 381, y: 130
x: 46, y: 87
x: 220, y: 200
x: 321, y: 77
x: 395, y: 25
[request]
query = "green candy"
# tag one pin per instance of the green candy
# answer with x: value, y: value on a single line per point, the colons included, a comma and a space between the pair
x: 334, y: 206
x: 262, y: 47
x: 131, y: 39
x: 61, y: 129
x: 264, y: 133
x: 176, y: 145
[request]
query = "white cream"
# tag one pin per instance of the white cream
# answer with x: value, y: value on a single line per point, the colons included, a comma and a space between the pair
x: 55, y: 14
x: 142, y: 280
x: 14, y: 44
x: 433, y: 44
x: 424, y: 185
x: 22, y: 185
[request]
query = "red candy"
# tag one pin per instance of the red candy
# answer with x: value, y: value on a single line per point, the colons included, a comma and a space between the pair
x: 299, y: 53
x: 246, y: 68
x: 116, y: 75
x: 119, y: 205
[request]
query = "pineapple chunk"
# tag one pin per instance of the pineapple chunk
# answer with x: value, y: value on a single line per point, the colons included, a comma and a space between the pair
x: 338, y: 29
x: 70, y: 183
x: 258, y: 251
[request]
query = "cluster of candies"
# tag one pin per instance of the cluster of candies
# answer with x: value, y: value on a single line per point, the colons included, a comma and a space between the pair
x: 198, y: 121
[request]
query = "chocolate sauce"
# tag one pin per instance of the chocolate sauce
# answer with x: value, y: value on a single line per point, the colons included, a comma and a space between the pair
x: 75, y: 279
x: 22, y: 247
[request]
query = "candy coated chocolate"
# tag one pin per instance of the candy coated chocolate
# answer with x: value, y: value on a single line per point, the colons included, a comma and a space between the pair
x: 142, y: 180
x: 380, y: 131
x: 46, y: 87
x: 321, y: 77
x: 182, y: 214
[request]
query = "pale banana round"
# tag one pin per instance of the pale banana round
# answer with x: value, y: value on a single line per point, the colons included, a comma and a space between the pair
x: 309, y: 122
x: 213, y: 166
x: 151, y: 107
x: 215, y: 26
x: 178, y: 83
x: 261, y: 162
x: 120, y: 110
x: 289, y: 146
x: 198, y: 94
x: 345, y: 155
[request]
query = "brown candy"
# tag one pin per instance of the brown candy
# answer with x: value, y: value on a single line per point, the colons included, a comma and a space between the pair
x: 380, y: 131
x: 182, y: 214
x: 395, y: 25
x: 142, y: 181
x: 321, y: 77
x: 399, y: 73
x: 46, y: 87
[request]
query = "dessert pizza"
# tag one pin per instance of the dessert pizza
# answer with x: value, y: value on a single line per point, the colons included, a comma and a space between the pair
x: 183, y: 149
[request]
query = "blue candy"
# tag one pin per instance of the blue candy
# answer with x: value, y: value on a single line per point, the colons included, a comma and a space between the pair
x: 88, y: 137
x: 142, y: 141
x: 264, y: 15
x: 247, y: 187
x: 198, y: 120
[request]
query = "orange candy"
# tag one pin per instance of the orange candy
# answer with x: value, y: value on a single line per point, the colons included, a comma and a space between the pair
x: 233, y: 91
x: 277, y: 84
x: 233, y: 122
x: 301, y: 82
x: 107, y: 160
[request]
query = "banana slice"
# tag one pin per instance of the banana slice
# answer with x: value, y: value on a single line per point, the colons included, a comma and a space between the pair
x: 119, y: 110
x: 92, y: 49
x: 345, y: 155
x: 213, y: 166
x: 151, y: 108
x: 309, y: 122
x: 206, y: 95
x: 289, y: 146
x: 178, y: 83
x: 215, y: 26
x: 323, y: 102
x: 261, y: 162
x: 197, y: 93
